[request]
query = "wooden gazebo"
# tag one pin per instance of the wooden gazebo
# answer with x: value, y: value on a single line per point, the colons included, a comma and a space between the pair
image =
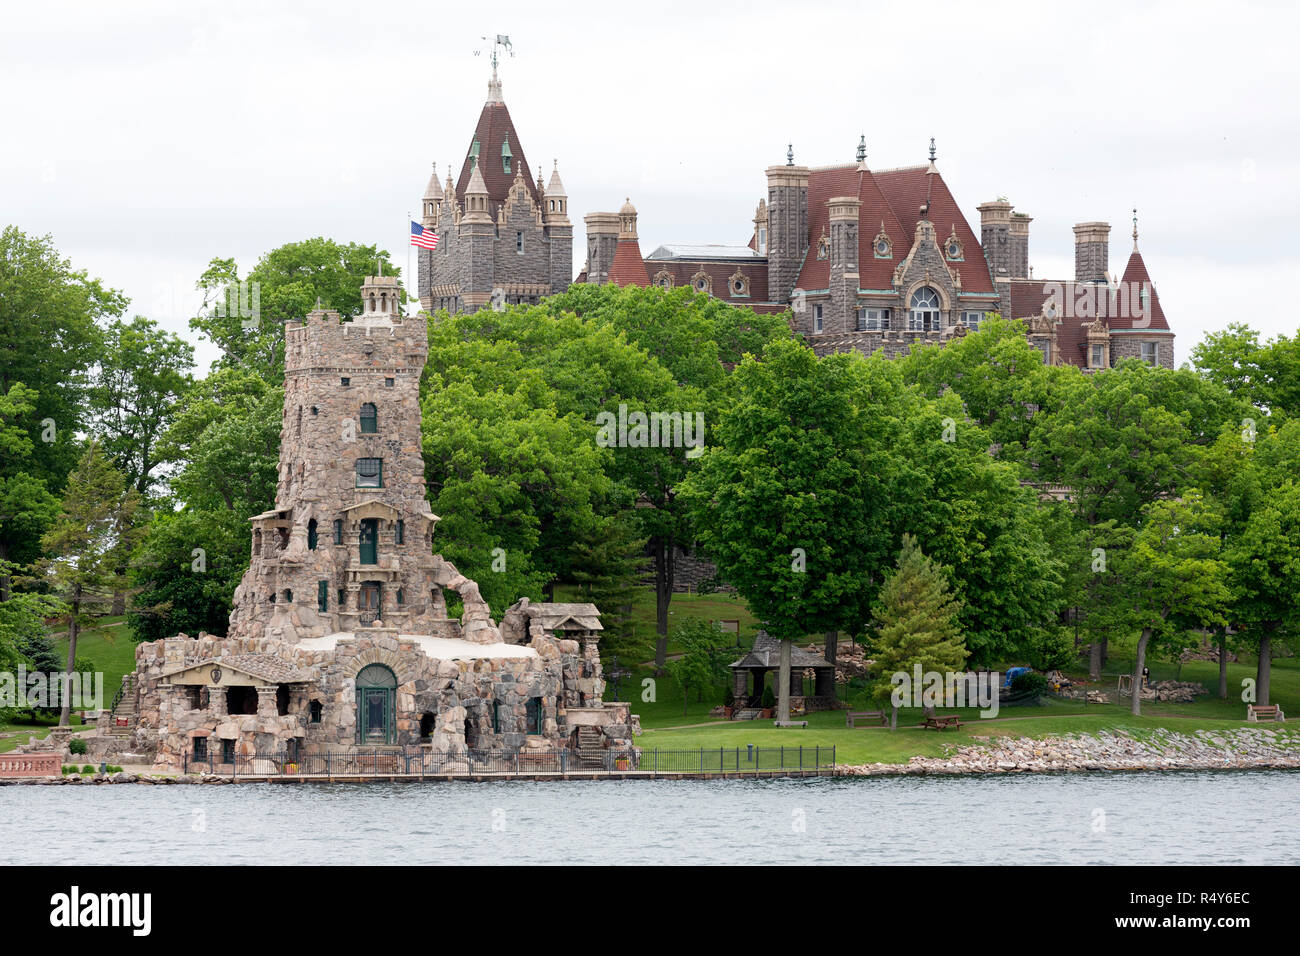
x: 766, y: 656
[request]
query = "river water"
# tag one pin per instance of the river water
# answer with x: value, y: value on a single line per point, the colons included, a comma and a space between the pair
x: 1190, y: 818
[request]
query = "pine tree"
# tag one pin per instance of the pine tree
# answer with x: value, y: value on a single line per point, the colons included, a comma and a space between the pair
x: 916, y: 622
x: 89, y: 542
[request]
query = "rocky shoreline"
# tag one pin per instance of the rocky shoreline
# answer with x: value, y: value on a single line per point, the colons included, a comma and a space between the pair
x: 1243, y: 749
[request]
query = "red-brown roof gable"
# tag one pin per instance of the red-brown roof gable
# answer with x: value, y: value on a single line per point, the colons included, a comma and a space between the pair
x: 824, y: 185
x: 906, y: 190
x: 719, y: 273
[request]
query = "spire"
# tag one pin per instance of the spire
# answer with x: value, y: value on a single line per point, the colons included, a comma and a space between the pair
x: 494, y: 86
x: 555, y: 187
x: 1135, y: 230
x: 933, y: 168
x: 862, y: 149
x: 433, y: 192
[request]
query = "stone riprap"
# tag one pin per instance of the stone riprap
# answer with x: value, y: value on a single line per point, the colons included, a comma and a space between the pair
x: 1237, y: 749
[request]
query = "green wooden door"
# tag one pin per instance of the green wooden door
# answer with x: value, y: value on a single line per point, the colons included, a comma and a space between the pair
x: 370, y: 541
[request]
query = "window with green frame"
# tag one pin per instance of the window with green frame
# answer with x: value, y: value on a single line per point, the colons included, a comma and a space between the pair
x: 338, y: 530
x: 369, y: 419
x: 322, y: 596
x: 399, y: 532
x: 534, y: 715
x: 370, y: 473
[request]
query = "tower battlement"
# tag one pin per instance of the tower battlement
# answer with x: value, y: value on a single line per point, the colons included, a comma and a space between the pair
x: 380, y: 338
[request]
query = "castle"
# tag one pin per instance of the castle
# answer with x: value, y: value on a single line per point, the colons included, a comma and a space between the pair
x: 340, y: 639
x: 862, y: 259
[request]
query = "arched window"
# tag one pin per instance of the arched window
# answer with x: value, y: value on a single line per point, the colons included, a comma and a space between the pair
x: 923, y: 314
x: 369, y: 419
x: 376, y: 693
x: 311, y: 535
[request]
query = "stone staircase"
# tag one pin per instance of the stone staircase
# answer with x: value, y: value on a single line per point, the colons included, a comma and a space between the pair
x: 748, y: 713
x: 590, y: 750
x: 123, y: 707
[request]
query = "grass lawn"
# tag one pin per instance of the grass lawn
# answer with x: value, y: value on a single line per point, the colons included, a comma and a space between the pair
x: 640, y: 646
x: 110, y: 649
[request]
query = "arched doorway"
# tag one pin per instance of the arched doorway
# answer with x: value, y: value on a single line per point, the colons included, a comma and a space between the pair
x: 376, y: 696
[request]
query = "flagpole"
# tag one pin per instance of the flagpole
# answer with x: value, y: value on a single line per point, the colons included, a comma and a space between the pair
x: 406, y: 279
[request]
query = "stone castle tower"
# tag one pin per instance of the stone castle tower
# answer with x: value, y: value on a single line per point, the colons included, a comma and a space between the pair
x: 503, y: 238
x: 349, y: 543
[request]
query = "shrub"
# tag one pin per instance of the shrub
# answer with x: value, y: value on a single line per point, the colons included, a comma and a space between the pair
x: 87, y: 769
x: 1031, y: 682
x: 77, y: 746
x: 113, y: 768
x: 769, y: 698
x: 67, y: 770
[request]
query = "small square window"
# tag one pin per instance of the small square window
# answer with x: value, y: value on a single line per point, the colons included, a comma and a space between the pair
x: 389, y: 382
x: 345, y: 381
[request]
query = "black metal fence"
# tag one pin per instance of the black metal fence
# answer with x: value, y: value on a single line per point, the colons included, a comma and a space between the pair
x: 737, y: 760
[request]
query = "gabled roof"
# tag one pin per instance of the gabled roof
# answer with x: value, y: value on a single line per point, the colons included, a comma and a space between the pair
x: 557, y: 615
x: 906, y: 190
x: 264, y: 667
x: 826, y: 183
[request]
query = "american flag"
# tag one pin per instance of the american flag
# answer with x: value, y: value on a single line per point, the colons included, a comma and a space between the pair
x: 424, y: 238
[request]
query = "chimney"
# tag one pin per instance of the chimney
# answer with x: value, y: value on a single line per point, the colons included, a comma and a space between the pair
x: 602, y: 238
x: 1091, y: 251
x: 995, y: 236
x: 1018, y: 260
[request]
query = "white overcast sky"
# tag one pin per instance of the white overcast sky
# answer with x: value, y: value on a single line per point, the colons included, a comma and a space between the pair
x: 149, y: 137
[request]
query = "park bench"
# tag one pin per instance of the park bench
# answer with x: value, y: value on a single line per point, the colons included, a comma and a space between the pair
x: 874, y: 716
x: 943, y: 721
x: 1264, y: 712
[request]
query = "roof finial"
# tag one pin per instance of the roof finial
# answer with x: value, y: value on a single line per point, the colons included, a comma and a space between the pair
x: 1135, y: 230
x: 862, y: 148
x: 931, y: 149
x: 789, y: 154
x: 494, y: 85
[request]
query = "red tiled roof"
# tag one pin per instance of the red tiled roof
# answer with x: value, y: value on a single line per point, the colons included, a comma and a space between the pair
x: 627, y: 267
x: 826, y: 184
x: 1122, y: 311
x: 1136, y: 277
x: 1029, y: 295
x: 719, y: 273
x: 906, y: 190
x: 893, y: 197
x: 494, y: 128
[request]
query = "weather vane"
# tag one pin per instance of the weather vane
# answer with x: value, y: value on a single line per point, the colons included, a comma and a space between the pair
x: 501, y: 42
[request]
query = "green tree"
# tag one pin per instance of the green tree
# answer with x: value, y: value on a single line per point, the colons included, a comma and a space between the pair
x: 916, y: 623
x: 185, y: 572
x: 794, y: 501
x: 701, y: 665
x: 245, y: 317
x: 1265, y: 576
x: 1174, y: 577
x: 142, y: 374
x: 90, y: 540
x: 26, y: 505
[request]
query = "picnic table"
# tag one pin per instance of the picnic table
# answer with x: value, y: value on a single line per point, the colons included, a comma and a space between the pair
x: 943, y: 721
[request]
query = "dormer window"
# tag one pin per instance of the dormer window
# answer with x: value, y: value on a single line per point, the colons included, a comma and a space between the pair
x: 823, y: 248
x: 1098, y: 359
x: 762, y: 241
x: 506, y: 155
